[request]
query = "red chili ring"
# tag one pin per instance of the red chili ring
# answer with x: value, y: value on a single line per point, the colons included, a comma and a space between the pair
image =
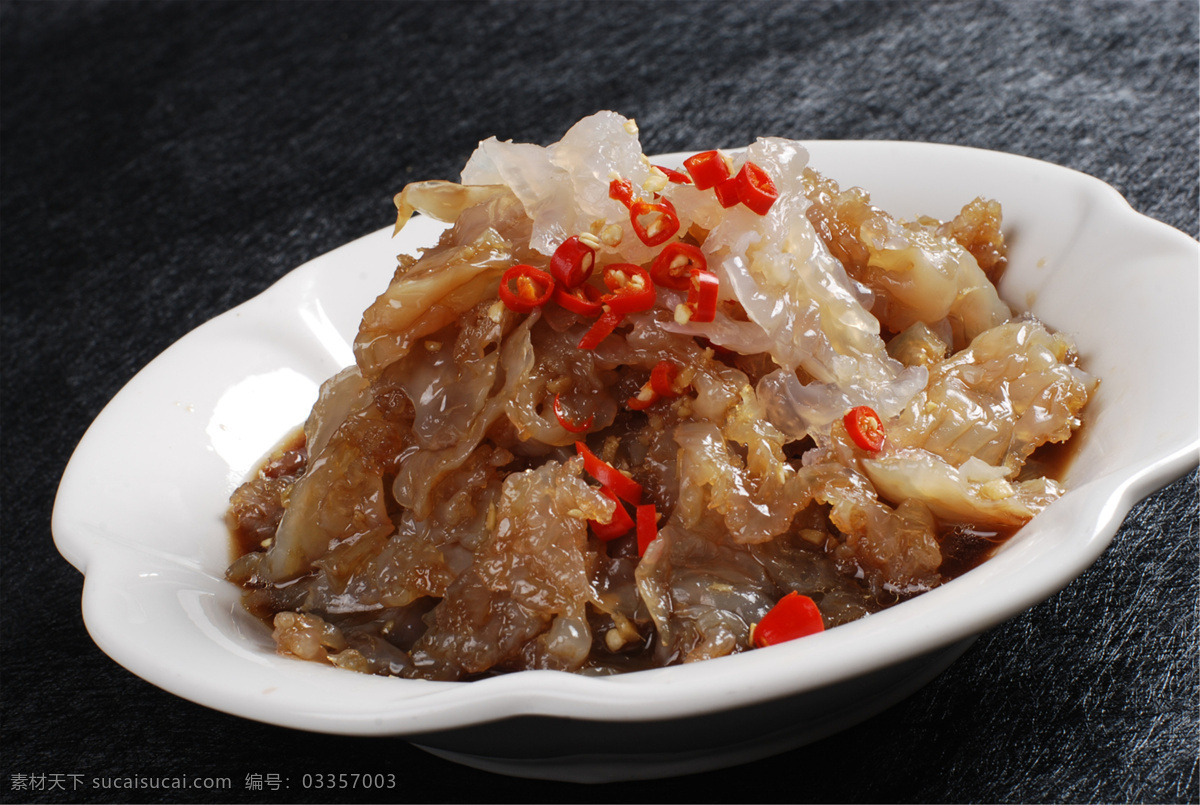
x: 584, y: 299
x: 567, y: 423
x: 640, y: 403
x: 534, y: 288
x: 621, y: 190
x: 865, y: 428
x: 792, y: 617
x: 662, y: 379
x: 673, y: 266
x: 702, y: 296
x: 572, y: 262
x: 755, y: 188
x: 707, y: 169
x: 630, y: 288
x: 664, y: 221
x: 727, y: 192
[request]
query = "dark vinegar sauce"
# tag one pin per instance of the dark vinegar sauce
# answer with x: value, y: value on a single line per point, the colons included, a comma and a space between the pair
x: 1053, y: 459
x: 966, y: 547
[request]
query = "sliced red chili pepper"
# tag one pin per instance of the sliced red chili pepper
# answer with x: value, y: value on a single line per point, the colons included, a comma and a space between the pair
x: 662, y: 221
x: 674, y: 176
x: 672, y: 268
x: 572, y: 262
x: 645, y: 398
x: 755, y: 188
x: 618, y: 526
x: 647, y: 527
x: 727, y: 192
x: 707, y: 169
x: 566, y: 422
x: 621, y: 190
x: 662, y: 379
x: 662, y: 383
x: 630, y: 288
x: 584, y: 299
x: 865, y: 428
x: 522, y: 288
x: 702, y: 296
x: 601, y: 329
x: 609, y: 476
x: 792, y: 617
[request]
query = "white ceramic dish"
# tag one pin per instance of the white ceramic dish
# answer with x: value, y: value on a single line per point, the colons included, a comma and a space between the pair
x: 140, y: 507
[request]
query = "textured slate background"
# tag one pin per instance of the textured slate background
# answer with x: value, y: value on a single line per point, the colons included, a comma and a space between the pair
x: 162, y: 162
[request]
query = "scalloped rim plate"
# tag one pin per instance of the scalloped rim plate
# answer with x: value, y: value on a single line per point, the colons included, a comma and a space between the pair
x: 140, y: 506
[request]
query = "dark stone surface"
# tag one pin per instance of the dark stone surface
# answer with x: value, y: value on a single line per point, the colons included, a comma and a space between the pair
x: 162, y: 162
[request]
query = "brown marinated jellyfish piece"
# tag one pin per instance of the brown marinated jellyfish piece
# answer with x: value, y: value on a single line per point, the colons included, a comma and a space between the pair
x: 523, y: 601
x: 919, y: 345
x: 423, y: 556
x: 502, y: 367
x: 340, y: 498
x: 919, y: 272
x: 461, y: 271
x: 550, y: 364
x: 703, y: 592
x: 256, y: 506
x: 838, y: 214
x: 802, y: 560
x: 894, y: 550
x: 1015, y: 388
x: 306, y: 636
x: 977, y: 229
x: 703, y: 579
